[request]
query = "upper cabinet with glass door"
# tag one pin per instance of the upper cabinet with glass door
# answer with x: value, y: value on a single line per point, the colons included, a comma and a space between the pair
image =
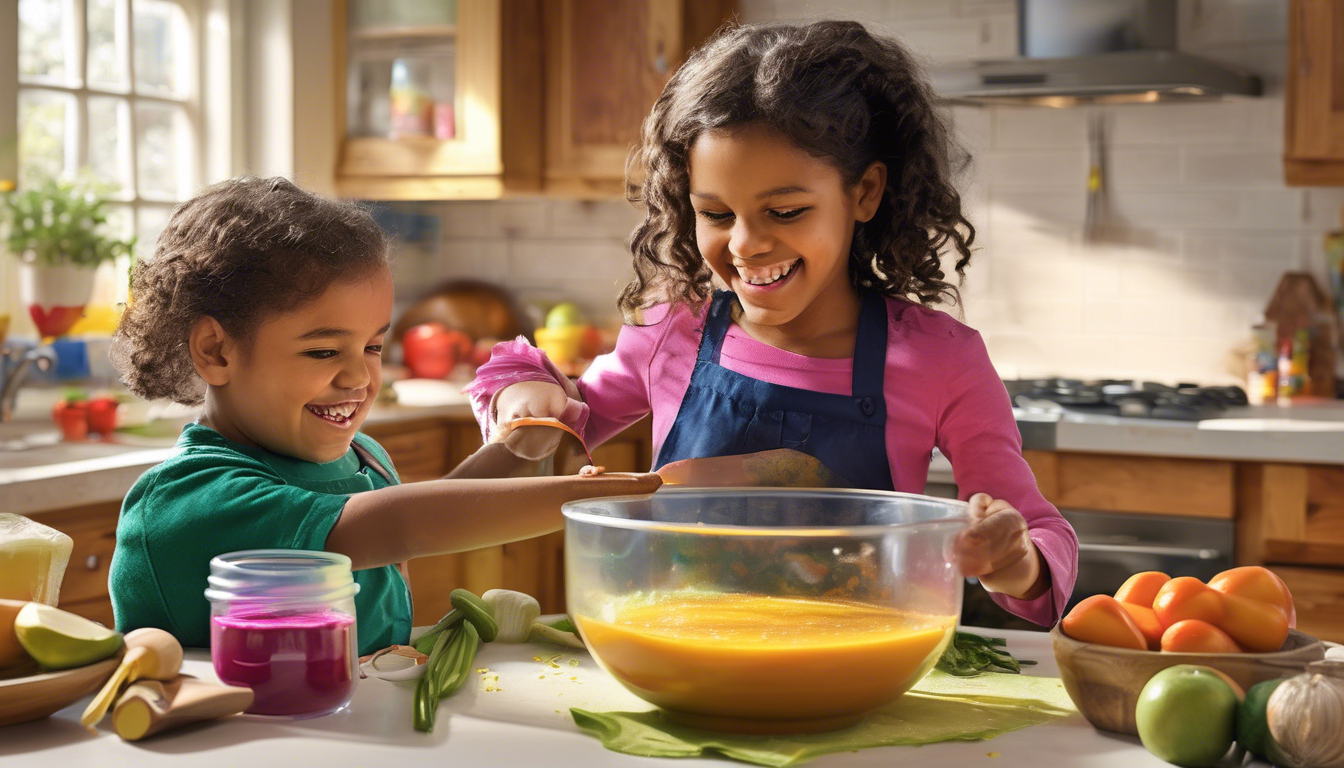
x: 492, y: 98
x: 421, y: 100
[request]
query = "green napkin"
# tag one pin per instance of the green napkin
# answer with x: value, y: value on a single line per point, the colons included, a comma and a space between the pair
x: 941, y: 708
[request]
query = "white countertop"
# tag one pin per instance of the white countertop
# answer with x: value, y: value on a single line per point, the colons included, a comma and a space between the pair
x: 1310, y: 433
x: 525, y: 722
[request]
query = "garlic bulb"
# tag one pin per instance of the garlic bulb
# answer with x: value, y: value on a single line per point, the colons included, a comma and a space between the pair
x: 1306, y: 718
x: 514, y: 612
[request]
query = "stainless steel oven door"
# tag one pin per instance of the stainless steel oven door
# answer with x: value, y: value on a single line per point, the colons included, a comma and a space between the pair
x: 1112, y: 546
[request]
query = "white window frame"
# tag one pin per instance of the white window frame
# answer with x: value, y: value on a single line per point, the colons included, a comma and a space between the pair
x: 212, y: 107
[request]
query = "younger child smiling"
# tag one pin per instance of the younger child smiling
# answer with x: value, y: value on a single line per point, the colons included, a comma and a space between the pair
x: 269, y: 306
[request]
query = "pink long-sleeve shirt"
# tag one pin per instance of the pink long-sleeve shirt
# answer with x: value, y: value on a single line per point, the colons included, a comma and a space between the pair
x: 940, y: 389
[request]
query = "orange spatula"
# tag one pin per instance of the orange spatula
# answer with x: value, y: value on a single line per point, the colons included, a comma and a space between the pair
x: 521, y: 448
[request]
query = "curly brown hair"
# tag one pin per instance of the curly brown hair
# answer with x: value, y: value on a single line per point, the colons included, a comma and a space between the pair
x: 840, y: 94
x: 240, y: 251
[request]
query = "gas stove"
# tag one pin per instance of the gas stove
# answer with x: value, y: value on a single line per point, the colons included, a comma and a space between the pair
x: 1125, y: 398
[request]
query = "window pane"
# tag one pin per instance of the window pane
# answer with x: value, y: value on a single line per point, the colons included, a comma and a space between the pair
x: 161, y: 47
x: 46, y: 131
x: 107, y: 44
x: 110, y: 143
x: 46, y: 42
x: 120, y: 220
x: 165, y: 152
x: 150, y: 221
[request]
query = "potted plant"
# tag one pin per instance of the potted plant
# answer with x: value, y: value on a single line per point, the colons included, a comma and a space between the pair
x: 59, y: 232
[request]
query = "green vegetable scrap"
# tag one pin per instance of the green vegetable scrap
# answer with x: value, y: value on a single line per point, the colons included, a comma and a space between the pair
x: 969, y: 655
x: 452, y: 645
x: 564, y: 625
x: 478, y: 613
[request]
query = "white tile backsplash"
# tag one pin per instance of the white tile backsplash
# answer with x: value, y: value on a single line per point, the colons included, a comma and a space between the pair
x: 1199, y: 224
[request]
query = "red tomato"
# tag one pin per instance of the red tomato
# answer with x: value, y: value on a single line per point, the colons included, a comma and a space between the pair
x: 102, y: 415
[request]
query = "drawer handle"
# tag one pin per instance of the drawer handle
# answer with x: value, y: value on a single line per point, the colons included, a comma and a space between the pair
x: 91, y: 562
x: 1200, y: 553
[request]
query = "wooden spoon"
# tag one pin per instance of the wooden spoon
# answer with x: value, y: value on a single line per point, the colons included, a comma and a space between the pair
x: 151, y: 654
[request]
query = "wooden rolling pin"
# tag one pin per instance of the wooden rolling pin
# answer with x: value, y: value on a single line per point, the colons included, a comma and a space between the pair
x: 151, y: 706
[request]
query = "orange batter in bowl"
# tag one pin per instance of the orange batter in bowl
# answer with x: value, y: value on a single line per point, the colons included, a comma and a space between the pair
x: 758, y: 664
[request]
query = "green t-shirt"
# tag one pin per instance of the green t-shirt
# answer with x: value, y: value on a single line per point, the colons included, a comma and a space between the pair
x: 214, y: 496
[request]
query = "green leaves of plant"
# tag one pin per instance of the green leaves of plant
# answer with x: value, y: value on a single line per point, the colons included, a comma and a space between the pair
x: 60, y: 222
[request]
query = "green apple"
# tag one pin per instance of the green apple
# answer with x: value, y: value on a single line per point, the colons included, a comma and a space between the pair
x: 565, y: 315
x: 60, y: 640
x: 1187, y: 715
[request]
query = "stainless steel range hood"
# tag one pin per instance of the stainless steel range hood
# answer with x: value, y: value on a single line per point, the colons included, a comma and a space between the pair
x: 1097, y: 51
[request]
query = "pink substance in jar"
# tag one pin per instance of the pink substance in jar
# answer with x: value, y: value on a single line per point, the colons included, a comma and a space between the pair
x: 296, y: 665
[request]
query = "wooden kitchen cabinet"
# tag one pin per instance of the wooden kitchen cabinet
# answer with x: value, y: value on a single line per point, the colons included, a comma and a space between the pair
x: 548, y: 95
x: 93, y: 529
x: 1155, y: 485
x: 419, y: 98
x: 607, y: 61
x: 1314, y: 99
x: 1291, y: 514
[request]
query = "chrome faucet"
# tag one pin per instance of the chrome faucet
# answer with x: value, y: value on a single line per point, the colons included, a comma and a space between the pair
x: 43, y: 357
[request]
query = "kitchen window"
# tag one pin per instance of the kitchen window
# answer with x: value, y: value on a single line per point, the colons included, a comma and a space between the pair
x: 114, y: 89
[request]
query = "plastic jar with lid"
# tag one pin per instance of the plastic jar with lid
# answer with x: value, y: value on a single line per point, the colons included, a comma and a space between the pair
x: 282, y: 622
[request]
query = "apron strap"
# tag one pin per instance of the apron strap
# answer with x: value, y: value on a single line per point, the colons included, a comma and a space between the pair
x: 870, y: 348
x: 717, y: 322
x: 366, y: 456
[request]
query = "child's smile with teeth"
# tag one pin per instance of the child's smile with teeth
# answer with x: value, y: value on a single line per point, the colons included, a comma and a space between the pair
x: 766, y: 275
x: 338, y: 413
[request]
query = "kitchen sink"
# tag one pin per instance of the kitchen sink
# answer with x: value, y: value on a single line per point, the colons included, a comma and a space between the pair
x: 36, y: 443
x: 26, y: 435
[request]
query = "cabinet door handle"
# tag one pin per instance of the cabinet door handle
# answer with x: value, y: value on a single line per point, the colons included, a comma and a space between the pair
x: 91, y: 562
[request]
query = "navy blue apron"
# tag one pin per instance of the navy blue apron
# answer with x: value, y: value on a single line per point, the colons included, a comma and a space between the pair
x: 728, y: 414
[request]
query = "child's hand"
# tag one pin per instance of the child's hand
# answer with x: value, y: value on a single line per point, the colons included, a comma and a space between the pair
x: 530, y: 398
x: 997, y: 550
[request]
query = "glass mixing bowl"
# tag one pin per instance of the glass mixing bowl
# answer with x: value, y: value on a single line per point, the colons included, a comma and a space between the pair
x: 765, y: 610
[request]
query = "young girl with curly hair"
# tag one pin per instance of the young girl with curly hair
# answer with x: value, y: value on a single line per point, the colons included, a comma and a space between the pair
x: 268, y: 306
x: 805, y: 173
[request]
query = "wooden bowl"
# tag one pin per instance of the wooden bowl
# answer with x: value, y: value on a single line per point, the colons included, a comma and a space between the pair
x: 1104, y: 681
x: 36, y: 696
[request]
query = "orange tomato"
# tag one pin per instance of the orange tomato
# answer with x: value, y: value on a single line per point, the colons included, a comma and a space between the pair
x: 1195, y: 636
x: 1146, y: 620
x: 1141, y: 588
x: 1256, y: 626
x: 1103, y: 620
x: 1257, y: 583
x: 1186, y: 597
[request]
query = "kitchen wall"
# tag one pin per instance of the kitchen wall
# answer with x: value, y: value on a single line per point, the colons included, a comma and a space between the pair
x: 1199, y: 224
